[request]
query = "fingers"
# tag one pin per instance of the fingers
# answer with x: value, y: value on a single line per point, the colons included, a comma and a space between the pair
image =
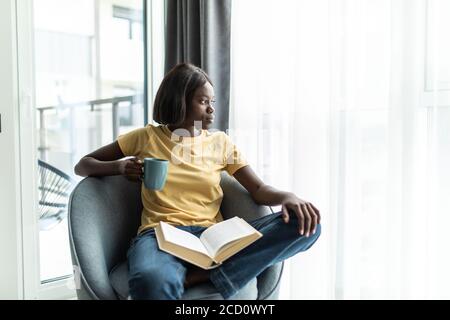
x: 317, y: 212
x: 301, y: 219
x: 285, y: 214
x: 134, y: 177
x: 308, y: 219
x: 136, y: 160
x: 129, y: 171
x: 133, y: 167
x: 314, y: 218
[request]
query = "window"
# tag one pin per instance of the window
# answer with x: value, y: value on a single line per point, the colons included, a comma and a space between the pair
x: 437, y: 65
x: 126, y: 109
x: 130, y: 21
x: 89, y: 89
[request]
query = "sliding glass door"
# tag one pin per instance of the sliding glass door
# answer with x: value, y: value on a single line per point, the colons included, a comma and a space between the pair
x: 89, y: 60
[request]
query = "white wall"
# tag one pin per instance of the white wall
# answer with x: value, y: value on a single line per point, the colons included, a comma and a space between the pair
x: 10, y: 231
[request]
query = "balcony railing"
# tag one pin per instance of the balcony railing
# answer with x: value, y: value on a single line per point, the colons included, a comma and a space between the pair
x: 114, y: 102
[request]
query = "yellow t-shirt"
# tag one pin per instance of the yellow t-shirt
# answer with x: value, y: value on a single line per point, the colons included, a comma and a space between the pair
x: 192, y: 194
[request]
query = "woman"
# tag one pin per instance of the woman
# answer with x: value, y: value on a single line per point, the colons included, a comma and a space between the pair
x: 191, y: 198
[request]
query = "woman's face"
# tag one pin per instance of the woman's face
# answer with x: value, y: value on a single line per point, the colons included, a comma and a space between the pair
x: 201, y: 111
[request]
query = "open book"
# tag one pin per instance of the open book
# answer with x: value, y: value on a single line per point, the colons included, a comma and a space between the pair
x: 216, y: 244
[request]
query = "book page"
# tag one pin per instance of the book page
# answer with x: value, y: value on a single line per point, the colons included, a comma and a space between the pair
x: 218, y: 235
x: 182, y: 238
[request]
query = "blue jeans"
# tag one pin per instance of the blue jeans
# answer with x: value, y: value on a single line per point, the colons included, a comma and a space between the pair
x: 156, y: 275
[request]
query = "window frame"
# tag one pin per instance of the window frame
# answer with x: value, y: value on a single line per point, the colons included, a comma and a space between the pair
x: 30, y: 285
x: 440, y: 97
x: 130, y: 15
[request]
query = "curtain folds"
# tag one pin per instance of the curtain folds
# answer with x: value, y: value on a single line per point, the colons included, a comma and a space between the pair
x: 198, y: 32
x: 346, y: 103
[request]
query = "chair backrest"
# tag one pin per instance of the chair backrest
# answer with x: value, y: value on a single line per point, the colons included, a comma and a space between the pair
x: 104, y: 215
x: 237, y: 201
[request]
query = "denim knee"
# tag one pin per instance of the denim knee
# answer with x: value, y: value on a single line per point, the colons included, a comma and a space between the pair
x: 157, y: 284
x: 313, y: 237
x: 318, y: 230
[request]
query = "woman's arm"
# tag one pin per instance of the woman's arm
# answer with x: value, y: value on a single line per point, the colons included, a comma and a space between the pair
x: 106, y: 162
x: 308, y: 215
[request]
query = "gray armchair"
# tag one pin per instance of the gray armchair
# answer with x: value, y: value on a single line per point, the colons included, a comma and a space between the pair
x: 104, y: 215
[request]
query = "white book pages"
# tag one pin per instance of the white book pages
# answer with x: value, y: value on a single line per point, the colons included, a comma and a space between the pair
x: 182, y: 238
x: 216, y: 236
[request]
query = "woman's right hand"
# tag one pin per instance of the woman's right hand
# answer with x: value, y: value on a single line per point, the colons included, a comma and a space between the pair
x: 131, y: 168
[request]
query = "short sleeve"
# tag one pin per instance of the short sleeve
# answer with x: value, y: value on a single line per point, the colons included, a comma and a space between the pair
x: 133, y: 142
x: 233, y: 158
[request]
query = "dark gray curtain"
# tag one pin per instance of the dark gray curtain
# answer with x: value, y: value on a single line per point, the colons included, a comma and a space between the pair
x: 198, y: 32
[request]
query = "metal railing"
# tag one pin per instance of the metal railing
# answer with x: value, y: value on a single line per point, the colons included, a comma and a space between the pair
x: 43, y: 146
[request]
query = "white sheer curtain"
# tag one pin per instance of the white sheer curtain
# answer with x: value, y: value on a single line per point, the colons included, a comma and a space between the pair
x: 347, y: 103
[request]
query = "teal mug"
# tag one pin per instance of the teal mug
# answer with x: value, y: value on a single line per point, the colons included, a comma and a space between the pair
x: 155, y: 173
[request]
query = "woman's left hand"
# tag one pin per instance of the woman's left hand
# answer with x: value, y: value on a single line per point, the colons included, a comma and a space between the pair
x: 308, y: 215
